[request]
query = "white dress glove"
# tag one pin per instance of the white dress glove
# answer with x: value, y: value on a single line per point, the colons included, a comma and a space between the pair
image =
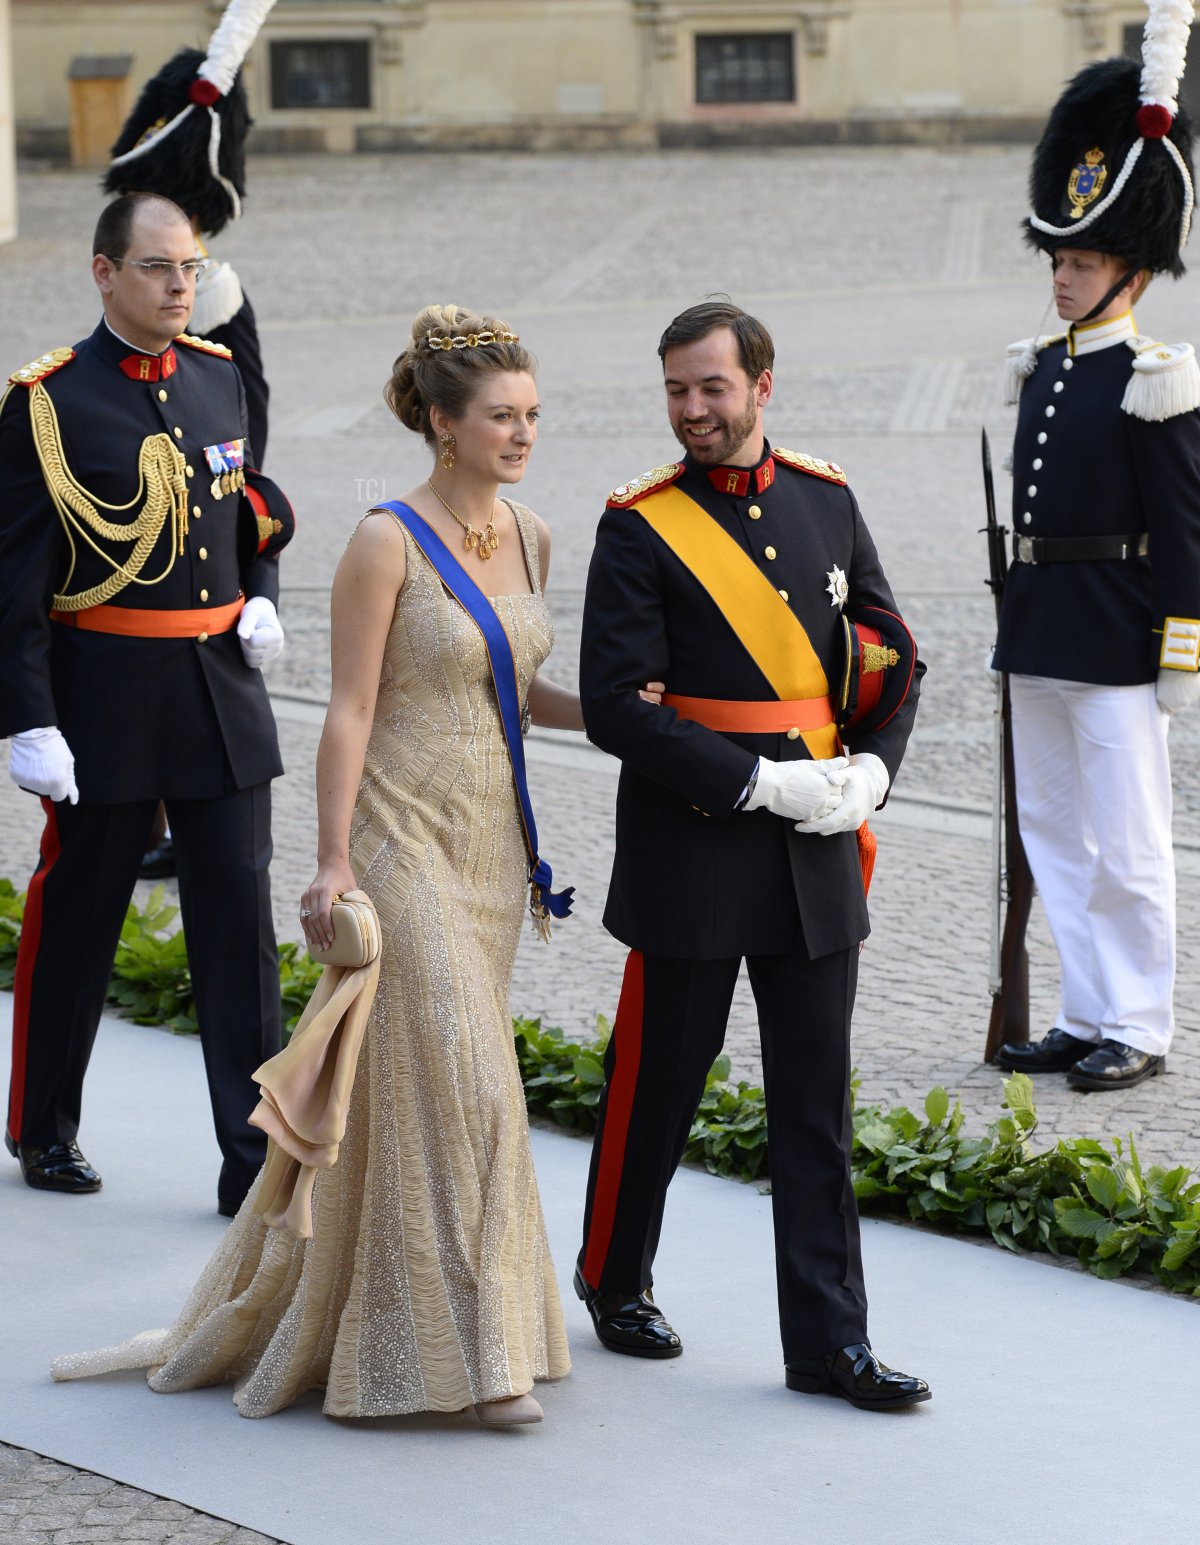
x: 1177, y: 689
x: 41, y: 761
x: 797, y: 790
x: 864, y: 787
x: 260, y: 632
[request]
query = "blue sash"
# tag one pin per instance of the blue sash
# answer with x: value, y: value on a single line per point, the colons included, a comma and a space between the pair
x: 542, y: 901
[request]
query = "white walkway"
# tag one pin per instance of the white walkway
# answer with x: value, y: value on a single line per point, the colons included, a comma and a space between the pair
x: 1064, y: 1407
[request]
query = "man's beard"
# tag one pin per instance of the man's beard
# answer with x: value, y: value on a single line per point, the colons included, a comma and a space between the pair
x: 728, y: 439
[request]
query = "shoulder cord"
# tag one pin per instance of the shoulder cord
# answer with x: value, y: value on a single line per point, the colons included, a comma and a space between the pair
x: 162, y: 489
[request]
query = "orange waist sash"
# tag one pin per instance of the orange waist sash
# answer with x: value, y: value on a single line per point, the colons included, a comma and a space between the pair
x: 774, y: 717
x: 136, y: 622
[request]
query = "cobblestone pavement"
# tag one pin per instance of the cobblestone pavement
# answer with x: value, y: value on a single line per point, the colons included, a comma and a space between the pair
x: 46, y: 1503
x: 892, y: 279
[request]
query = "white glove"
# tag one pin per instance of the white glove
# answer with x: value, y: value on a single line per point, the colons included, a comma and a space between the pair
x: 41, y: 761
x: 260, y: 632
x: 864, y: 787
x: 797, y: 790
x: 1176, y: 689
x: 993, y: 674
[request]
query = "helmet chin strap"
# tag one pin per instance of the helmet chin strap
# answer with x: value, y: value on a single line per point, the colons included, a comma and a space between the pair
x: 1106, y: 300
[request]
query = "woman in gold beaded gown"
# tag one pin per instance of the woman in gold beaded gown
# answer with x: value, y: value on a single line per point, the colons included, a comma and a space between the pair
x: 427, y: 1284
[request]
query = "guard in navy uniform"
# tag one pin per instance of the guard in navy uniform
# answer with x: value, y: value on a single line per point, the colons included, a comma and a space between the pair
x: 740, y: 576
x: 138, y: 555
x: 1098, y: 629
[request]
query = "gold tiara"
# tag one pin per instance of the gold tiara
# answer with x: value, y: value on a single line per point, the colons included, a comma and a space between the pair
x: 471, y: 340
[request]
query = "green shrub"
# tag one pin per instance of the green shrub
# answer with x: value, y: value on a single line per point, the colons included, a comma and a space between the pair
x: 1083, y: 1198
x: 12, y: 907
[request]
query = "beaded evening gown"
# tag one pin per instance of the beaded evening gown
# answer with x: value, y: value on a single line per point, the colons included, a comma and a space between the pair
x: 428, y: 1283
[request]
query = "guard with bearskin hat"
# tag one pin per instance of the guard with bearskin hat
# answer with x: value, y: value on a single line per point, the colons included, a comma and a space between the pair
x: 1098, y: 629
x: 745, y: 578
x: 139, y: 554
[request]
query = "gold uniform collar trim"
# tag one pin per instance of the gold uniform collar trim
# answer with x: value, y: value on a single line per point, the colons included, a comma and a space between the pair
x: 44, y: 365
x: 206, y: 345
x: 649, y: 482
x: 813, y: 465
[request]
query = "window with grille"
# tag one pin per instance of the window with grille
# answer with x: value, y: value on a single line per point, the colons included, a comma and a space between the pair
x: 321, y: 73
x: 745, y: 67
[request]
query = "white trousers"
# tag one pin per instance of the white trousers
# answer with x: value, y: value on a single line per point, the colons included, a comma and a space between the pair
x: 1094, y: 799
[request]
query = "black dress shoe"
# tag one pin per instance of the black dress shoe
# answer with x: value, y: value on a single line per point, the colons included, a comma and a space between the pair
x: 1057, y: 1051
x: 1113, y: 1065
x: 58, y: 1167
x: 159, y: 863
x: 857, y: 1375
x: 629, y: 1322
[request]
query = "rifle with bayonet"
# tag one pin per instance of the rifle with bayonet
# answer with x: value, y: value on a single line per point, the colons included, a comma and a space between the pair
x: 1012, y: 882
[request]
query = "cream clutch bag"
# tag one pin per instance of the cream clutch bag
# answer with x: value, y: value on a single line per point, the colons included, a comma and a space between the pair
x: 356, y: 936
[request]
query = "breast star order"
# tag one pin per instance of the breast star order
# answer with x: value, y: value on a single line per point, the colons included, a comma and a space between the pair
x: 838, y: 589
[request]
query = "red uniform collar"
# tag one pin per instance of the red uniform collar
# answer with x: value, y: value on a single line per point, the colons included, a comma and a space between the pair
x: 740, y: 481
x: 148, y: 367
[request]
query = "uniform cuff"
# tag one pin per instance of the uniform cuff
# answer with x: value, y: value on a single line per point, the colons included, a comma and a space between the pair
x: 1181, y: 644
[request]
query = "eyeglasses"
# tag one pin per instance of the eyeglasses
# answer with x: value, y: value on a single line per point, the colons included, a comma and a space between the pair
x: 158, y: 268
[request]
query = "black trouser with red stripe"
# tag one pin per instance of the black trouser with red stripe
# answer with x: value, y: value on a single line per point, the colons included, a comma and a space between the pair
x: 670, y: 1026
x: 73, y: 914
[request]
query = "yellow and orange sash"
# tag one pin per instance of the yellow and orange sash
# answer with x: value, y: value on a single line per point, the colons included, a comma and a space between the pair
x: 768, y: 629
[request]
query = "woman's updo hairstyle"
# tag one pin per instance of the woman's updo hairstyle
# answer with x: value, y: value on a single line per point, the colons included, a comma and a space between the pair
x: 450, y: 353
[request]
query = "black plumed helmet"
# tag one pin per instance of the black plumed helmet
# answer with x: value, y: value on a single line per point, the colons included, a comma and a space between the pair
x: 178, y: 165
x: 1113, y: 171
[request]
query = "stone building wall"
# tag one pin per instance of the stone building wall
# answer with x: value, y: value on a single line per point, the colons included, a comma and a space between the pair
x: 342, y: 75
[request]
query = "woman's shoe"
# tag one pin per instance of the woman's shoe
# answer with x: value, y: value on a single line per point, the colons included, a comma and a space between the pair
x: 514, y: 1412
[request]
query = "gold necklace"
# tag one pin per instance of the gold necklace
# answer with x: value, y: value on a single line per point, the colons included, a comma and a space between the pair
x: 482, y: 543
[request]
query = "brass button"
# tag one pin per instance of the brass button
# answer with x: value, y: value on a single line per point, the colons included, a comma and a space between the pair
x: 784, y: 594
x: 162, y: 396
x: 190, y: 470
x: 203, y: 553
x: 754, y: 512
x: 196, y: 511
x: 202, y: 638
x: 177, y: 432
x: 793, y: 733
x: 204, y: 595
x: 769, y: 552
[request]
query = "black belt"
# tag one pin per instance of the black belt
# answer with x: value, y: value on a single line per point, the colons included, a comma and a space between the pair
x: 1079, y: 549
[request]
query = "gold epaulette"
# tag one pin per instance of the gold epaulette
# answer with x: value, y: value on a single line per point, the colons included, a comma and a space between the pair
x: 649, y: 482
x: 38, y: 369
x: 205, y: 345
x: 829, y: 470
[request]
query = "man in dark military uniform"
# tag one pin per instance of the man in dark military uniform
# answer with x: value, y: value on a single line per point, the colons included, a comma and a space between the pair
x: 139, y: 579
x: 157, y: 151
x: 166, y: 146
x: 731, y: 576
x: 1098, y: 628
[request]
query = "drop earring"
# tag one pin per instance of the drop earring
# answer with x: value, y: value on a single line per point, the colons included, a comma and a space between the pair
x: 449, y: 446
